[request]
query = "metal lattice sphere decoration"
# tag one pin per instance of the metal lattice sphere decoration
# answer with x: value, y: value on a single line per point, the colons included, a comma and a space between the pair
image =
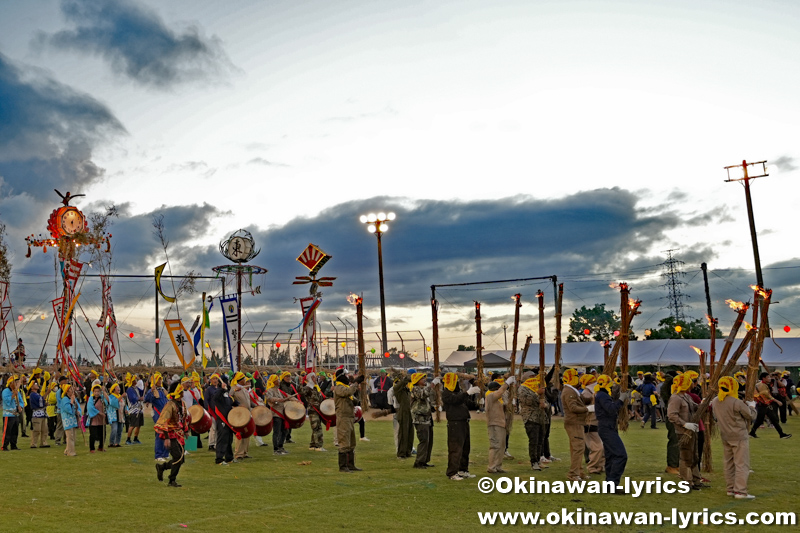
x: 239, y: 247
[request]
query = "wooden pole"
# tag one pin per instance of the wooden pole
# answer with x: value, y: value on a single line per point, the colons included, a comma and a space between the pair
x: 757, y: 345
x: 513, y: 389
x: 625, y: 312
x: 540, y: 296
x: 478, y: 347
x: 524, y: 356
x: 741, y: 310
x: 362, y: 356
x: 517, y: 305
x: 557, y: 362
x: 712, y: 353
x: 435, y: 325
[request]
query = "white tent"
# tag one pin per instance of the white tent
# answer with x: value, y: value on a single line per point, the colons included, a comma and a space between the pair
x: 666, y: 352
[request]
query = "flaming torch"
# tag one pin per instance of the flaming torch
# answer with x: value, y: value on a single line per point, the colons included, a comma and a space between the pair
x: 758, y: 342
x: 702, y: 356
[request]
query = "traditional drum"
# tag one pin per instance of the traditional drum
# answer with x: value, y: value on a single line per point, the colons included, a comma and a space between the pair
x: 201, y: 421
x: 240, y: 420
x: 295, y: 413
x: 327, y: 410
x: 358, y: 413
x: 262, y: 418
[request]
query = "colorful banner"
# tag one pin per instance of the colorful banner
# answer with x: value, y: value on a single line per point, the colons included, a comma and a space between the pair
x: 158, y: 272
x: 180, y: 341
x: 230, y: 311
x: 108, y: 321
x: 59, y: 311
x: 71, y: 271
x: 200, y: 333
x: 309, y: 306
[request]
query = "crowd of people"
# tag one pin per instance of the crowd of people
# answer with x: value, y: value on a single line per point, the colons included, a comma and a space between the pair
x: 55, y: 408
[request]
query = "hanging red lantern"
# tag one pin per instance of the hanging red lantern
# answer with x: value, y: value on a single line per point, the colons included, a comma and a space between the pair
x: 787, y: 329
x: 616, y: 333
x: 402, y: 355
x: 587, y: 331
x: 130, y: 334
x: 277, y: 345
x: 386, y: 354
x: 158, y: 341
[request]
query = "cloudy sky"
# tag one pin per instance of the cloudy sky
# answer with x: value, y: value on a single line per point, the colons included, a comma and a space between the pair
x: 513, y: 139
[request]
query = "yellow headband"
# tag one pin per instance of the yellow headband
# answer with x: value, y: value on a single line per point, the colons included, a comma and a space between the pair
x: 284, y: 374
x: 728, y: 387
x: 450, y: 381
x: 603, y: 382
x: 174, y: 395
x: 416, y: 377
x: 570, y: 377
x: 65, y: 388
x: 272, y: 381
x: 114, y: 387
x: 532, y: 383
x: 586, y: 380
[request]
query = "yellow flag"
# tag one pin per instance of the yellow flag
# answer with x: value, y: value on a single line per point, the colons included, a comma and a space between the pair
x: 159, y: 271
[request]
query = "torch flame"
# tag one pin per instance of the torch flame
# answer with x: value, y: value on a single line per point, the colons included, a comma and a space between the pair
x: 353, y: 299
x: 696, y: 349
x: 621, y: 286
x: 759, y: 290
x: 747, y: 326
x: 736, y: 306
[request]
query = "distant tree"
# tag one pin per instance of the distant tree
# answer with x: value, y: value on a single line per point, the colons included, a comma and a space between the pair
x: 462, y: 348
x: 692, y: 329
x: 600, y: 322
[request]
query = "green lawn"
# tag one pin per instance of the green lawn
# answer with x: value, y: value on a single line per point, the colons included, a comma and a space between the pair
x: 118, y: 491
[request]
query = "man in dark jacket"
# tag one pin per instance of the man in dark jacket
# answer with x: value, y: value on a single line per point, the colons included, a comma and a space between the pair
x: 208, y: 404
x: 223, y: 403
x: 607, y: 405
x: 454, y: 402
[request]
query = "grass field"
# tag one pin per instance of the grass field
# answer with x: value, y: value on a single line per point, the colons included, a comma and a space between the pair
x: 118, y: 490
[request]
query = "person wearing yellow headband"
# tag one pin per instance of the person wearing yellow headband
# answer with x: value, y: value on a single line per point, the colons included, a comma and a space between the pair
x: 405, y: 426
x: 591, y: 437
x: 766, y: 407
x: 608, y: 401
x: 291, y: 393
x: 574, y: 420
x: 345, y: 420
x: 71, y: 412
x: 680, y: 412
x: 531, y: 408
x: 97, y: 406
x: 13, y: 402
x: 38, y: 417
x: 135, y: 407
x: 171, y: 428
x: 455, y: 405
x: 115, y: 415
x: 422, y: 405
x: 242, y: 398
x: 733, y: 417
x: 496, y: 423
x: 157, y: 397
x: 276, y: 398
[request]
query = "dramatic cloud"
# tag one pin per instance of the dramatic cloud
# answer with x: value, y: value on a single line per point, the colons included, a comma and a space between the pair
x: 48, y: 132
x: 137, y: 43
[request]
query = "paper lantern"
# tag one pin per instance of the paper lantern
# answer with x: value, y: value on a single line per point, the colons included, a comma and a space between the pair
x: 428, y: 348
x: 253, y: 345
x: 20, y: 318
x: 277, y: 345
x: 616, y: 333
x: 343, y: 344
x: 208, y: 345
x: 678, y: 329
x: 303, y: 345
x: 386, y: 354
x: 787, y: 329
x: 372, y: 350
x: 158, y: 341
x: 587, y: 331
x: 402, y: 355
x: 43, y: 316
x: 130, y: 334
